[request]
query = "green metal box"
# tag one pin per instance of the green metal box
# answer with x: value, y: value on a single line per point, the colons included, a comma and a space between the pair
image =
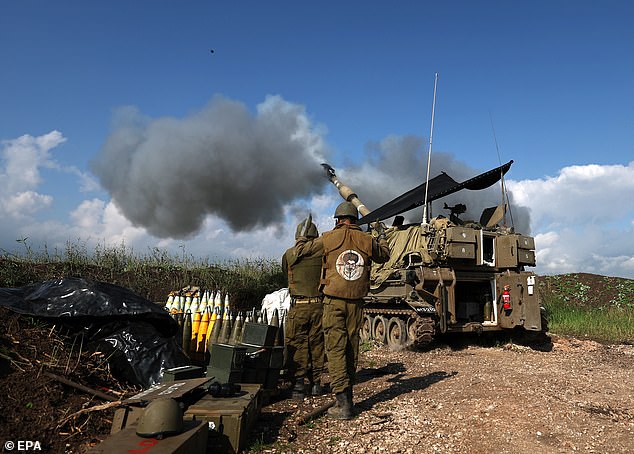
x: 228, y: 357
x: 257, y: 357
x: 182, y: 373
x: 259, y: 334
x: 272, y: 378
x: 258, y: 376
x: 277, y: 357
x: 223, y: 375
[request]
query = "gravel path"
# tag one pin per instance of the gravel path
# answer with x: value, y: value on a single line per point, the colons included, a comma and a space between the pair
x: 579, y: 396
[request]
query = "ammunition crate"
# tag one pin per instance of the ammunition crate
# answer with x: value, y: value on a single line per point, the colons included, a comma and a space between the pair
x: 257, y: 357
x: 252, y: 375
x: 223, y: 375
x: 277, y: 357
x: 461, y: 250
x: 460, y: 235
x: 182, y: 373
x: 230, y: 357
x: 230, y: 418
x: 259, y: 334
x: 272, y: 378
x: 192, y: 441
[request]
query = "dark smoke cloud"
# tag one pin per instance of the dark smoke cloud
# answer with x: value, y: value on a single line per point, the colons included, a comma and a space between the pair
x: 399, y: 163
x: 168, y: 174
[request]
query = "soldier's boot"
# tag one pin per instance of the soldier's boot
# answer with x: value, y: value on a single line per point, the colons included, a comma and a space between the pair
x: 353, y: 410
x: 299, y: 390
x: 342, y: 408
x: 316, y: 389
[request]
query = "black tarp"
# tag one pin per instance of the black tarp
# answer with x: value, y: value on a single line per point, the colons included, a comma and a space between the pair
x: 439, y: 187
x: 108, y: 315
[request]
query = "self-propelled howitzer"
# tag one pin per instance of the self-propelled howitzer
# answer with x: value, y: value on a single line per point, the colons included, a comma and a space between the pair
x: 446, y: 275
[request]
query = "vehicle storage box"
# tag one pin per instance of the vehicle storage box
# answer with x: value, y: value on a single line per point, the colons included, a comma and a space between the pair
x: 460, y: 235
x: 526, y: 257
x: 509, y: 251
x: 461, y: 250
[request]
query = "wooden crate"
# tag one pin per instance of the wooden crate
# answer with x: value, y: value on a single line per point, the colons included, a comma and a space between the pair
x: 230, y: 419
x: 192, y: 441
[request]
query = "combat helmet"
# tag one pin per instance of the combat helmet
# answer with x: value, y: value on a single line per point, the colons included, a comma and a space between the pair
x: 161, y: 418
x: 312, y: 231
x: 346, y: 210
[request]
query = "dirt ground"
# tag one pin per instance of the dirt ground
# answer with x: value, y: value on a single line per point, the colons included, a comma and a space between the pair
x: 504, y: 398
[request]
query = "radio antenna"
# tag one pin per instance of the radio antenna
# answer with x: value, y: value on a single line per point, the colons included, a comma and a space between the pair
x: 431, y: 134
x: 505, y: 198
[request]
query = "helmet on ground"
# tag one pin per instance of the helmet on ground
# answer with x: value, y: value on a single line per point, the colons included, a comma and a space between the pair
x: 346, y: 210
x: 162, y: 417
x: 311, y: 232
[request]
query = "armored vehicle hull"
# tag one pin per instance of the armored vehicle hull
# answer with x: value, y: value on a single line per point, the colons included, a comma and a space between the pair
x: 446, y: 276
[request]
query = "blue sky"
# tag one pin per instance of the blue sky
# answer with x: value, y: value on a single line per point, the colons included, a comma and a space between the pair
x: 118, y: 123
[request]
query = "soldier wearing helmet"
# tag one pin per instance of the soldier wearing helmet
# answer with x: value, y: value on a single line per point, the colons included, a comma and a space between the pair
x: 304, y: 338
x: 348, y: 253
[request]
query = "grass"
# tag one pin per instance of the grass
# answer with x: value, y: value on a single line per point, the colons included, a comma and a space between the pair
x: 608, y: 323
x: 587, y: 305
x: 152, y: 275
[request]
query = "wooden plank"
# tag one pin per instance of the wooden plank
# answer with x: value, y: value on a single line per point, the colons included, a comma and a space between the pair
x: 175, y: 390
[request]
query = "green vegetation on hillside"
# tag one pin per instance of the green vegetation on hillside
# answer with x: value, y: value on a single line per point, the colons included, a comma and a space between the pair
x: 580, y: 304
x: 588, y: 305
x: 152, y: 275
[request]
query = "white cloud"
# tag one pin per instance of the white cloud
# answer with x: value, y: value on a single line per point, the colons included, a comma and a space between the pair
x: 23, y: 204
x: 24, y: 157
x: 579, y: 195
x: 582, y: 219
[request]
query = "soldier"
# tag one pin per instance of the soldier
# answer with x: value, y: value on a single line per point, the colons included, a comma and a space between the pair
x: 304, y: 337
x: 345, y: 280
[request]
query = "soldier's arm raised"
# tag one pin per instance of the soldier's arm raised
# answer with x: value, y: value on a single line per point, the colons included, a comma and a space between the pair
x: 380, y: 250
x: 308, y: 246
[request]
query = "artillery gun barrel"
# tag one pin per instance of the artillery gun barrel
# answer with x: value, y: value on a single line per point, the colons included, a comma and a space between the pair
x: 348, y: 194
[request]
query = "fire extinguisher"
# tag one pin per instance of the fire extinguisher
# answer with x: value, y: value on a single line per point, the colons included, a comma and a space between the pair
x: 506, y: 298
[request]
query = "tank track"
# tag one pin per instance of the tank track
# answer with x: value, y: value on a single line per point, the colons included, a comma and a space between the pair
x: 423, y: 328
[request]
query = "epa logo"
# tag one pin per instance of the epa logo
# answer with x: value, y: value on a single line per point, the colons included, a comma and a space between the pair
x: 22, y: 445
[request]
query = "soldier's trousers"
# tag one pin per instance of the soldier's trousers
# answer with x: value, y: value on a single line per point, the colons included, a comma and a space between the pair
x: 342, y: 322
x: 304, y: 340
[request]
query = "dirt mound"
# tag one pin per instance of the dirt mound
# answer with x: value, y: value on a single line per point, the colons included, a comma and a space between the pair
x: 588, y: 290
x: 33, y: 405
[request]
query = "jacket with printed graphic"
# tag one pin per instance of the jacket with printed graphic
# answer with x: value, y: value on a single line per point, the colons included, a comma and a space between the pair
x: 348, y: 253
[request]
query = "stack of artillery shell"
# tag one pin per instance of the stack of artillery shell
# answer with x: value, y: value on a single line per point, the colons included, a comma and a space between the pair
x: 225, y: 333
x: 236, y: 332
x: 187, y: 331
